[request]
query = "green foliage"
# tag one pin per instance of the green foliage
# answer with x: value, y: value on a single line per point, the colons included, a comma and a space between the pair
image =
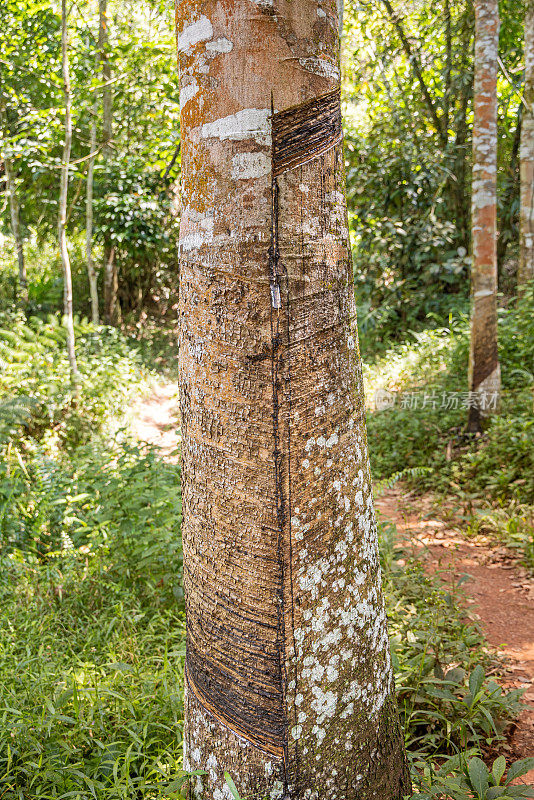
x: 429, y: 435
x: 463, y: 778
x: 92, y: 622
x: 512, y: 524
x: 118, y: 499
x: 134, y: 216
x: 35, y: 376
x: 447, y: 704
x: 131, y: 178
x: 408, y: 158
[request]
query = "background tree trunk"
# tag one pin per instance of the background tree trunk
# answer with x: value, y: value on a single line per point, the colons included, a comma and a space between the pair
x: 111, y: 315
x: 508, y: 217
x: 484, y: 369
x: 289, y: 680
x: 63, y: 193
x: 93, y: 278
x: 526, y: 250
x: 15, y: 219
x: 111, y: 286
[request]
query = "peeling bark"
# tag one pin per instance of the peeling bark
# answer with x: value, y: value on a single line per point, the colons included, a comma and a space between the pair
x: 484, y: 368
x: 526, y: 225
x: 289, y: 680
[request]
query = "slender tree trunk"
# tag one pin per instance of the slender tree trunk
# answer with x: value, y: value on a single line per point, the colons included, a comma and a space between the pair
x: 63, y: 193
x: 111, y: 285
x: 458, y: 185
x: 418, y: 72
x: 15, y: 221
x: 110, y: 266
x: 508, y: 217
x: 289, y: 681
x: 461, y: 162
x: 484, y: 369
x: 91, y: 271
x: 448, y: 64
x: 526, y: 227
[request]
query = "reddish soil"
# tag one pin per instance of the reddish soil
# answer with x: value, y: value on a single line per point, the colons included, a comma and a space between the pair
x: 500, y: 593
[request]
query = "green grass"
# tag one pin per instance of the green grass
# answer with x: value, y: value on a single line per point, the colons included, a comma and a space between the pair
x: 90, y: 684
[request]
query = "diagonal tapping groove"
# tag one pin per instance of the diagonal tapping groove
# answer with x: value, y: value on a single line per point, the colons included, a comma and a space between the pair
x: 304, y: 132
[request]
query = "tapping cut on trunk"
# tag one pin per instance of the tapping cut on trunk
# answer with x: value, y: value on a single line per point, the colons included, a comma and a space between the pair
x: 289, y: 683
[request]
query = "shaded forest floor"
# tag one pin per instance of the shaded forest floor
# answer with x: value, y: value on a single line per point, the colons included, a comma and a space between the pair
x: 499, y: 591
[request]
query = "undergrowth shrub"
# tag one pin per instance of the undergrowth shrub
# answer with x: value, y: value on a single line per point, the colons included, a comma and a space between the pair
x: 35, y: 389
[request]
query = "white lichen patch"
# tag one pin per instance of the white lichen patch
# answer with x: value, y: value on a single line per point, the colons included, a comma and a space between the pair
x: 199, y: 31
x: 222, y: 45
x: 320, y: 66
x: 250, y: 123
x: 196, y: 229
x: 187, y: 92
x: 246, y: 166
x: 341, y: 597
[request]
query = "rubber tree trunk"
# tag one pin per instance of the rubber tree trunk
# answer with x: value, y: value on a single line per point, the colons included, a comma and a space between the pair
x: 289, y: 679
x: 63, y: 193
x: 14, y: 210
x: 91, y: 271
x: 484, y: 369
x: 526, y: 225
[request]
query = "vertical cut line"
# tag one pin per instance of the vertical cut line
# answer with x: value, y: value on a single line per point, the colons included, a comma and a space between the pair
x: 274, y: 282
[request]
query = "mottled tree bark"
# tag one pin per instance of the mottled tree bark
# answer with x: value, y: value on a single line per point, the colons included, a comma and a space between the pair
x: 484, y: 369
x: 289, y: 679
x: 63, y: 193
x: 526, y: 226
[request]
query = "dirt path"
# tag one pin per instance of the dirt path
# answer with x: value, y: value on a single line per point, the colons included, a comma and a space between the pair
x: 500, y: 592
x: 154, y: 419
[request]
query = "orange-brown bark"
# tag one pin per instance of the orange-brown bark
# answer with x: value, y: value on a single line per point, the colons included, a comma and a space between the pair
x: 289, y: 682
x: 526, y: 250
x: 484, y: 369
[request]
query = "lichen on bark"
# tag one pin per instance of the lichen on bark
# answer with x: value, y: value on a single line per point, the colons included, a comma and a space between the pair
x: 526, y: 216
x: 289, y: 677
x: 484, y: 368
